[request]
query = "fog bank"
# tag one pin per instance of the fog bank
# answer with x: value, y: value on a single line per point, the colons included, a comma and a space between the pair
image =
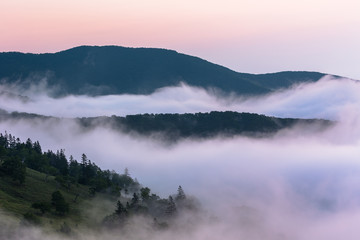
x: 298, y: 184
x: 326, y: 98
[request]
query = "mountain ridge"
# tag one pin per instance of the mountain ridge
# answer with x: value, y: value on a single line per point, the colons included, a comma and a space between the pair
x: 175, y: 127
x: 102, y: 70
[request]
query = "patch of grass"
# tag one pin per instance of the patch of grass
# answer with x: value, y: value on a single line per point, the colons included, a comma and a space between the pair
x: 17, y: 200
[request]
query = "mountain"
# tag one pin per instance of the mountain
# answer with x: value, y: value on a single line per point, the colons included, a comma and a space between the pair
x: 105, y: 70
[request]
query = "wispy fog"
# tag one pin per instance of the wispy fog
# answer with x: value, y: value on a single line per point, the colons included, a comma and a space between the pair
x: 297, y: 184
x: 323, y: 99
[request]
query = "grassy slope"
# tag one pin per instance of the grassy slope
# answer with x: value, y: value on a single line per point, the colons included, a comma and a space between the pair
x: 17, y: 200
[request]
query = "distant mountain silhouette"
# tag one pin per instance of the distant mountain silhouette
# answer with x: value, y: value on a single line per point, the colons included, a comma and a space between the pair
x: 104, y: 70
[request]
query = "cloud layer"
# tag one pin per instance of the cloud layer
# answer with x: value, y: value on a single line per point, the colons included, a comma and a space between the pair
x: 296, y: 185
x: 327, y: 98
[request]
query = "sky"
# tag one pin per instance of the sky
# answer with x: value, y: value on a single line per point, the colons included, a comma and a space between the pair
x: 247, y: 36
x: 288, y: 178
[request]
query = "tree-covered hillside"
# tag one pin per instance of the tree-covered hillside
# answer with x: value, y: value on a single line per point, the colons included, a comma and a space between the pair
x: 202, y: 125
x: 119, y: 70
x: 50, y: 189
x: 174, y: 127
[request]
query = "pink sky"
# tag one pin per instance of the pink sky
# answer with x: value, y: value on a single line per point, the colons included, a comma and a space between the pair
x: 247, y: 36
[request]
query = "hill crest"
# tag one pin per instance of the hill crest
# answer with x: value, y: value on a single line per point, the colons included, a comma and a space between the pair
x: 102, y: 70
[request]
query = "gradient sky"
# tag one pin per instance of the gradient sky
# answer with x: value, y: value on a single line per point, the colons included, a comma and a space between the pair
x: 245, y: 35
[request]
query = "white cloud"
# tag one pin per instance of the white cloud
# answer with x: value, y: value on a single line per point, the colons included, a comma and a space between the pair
x: 327, y: 98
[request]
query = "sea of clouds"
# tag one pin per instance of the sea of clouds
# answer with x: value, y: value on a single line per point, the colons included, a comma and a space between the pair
x: 327, y: 98
x: 298, y: 184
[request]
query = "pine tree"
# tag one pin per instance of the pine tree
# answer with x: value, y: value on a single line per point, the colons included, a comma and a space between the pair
x: 84, y: 160
x: 37, y: 147
x: 15, y: 168
x: 171, y: 207
x: 145, y: 193
x: 134, y: 200
x: 58, y: 201
x: 119, y: 208
x: 126, y: 172
x: 180, y: 194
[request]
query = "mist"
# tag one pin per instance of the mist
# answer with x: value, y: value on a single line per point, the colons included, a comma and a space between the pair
x: 326, y: 98
x: 297, y: 184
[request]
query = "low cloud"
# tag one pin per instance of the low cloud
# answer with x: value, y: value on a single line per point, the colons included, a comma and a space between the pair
x: 327, y: 98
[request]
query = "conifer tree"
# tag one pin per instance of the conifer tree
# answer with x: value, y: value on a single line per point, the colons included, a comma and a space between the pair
x: 171, y: 207
x: 58, y: 201
x: 119, y: 208
x: 134, y: 200
x: 180, y: 194
x: 145, y: 193
x: 15, y: 168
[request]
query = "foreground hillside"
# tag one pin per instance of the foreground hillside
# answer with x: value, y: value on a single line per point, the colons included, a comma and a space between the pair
x: 120, y: 70
x: 59, y: 193
x: 17, y: 199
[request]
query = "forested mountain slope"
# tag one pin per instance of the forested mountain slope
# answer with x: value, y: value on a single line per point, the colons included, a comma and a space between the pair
x: 105, y: 70
x: 174, y: 127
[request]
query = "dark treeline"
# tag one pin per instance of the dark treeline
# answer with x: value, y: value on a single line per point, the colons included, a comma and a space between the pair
x: 15, y: 156
x: 173, y: 127
x: 145, y: 203
x: 200, y: 125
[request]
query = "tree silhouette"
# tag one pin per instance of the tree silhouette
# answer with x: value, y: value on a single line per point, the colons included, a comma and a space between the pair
x: 145, y: 193
x: 180, y: 194
x: 120, y: 209
x: 14, y: 168
x: 58, y: 201
x: 171, y: 207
